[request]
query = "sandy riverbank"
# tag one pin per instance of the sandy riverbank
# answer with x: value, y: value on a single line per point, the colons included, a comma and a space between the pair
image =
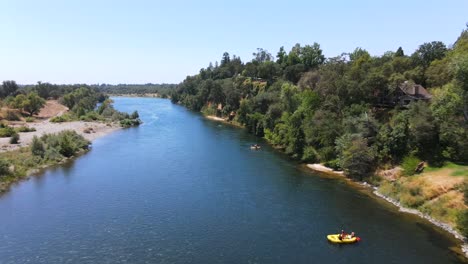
x: 47, y: 127
x: 321, y: 168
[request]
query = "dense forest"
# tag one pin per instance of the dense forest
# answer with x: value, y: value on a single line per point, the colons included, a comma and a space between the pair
x: 355, y: 112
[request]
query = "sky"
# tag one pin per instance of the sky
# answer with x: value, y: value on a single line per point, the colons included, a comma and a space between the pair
x: 144, y: 41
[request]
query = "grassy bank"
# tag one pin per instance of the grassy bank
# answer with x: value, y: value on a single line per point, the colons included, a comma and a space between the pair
x: 50, y: 149
x: 437, y: 192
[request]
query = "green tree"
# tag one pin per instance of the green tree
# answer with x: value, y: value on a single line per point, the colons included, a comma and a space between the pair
x: 33, y: 103
x: 357, y: 159
x: 37, y: 147
x: 8, y: 88
x: 428, y: 52
x: 399, y: 52
x: 312, y: 56
x: 262, y: 55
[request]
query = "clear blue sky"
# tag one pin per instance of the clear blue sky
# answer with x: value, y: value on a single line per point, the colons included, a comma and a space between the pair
x: 113, y: 41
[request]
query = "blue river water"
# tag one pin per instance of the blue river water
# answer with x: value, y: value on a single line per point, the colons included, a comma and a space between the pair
x: 183, y: 189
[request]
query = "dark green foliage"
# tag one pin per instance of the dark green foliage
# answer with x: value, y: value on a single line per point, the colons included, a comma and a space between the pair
x: 55, y: 147
x: 465, y: 191
x: 37, y: 147
x: 67, y: 142
x: 60, y: 119
x: 462, y: 222
x: 149, y: 88
x: 357, y: 159
x: 343, y: 111
x: 81, y: 100
x: 134, y: 115
x: 4, y: 168
x: 14, y: 138
x: 310, y: 155
x: 8, y: 88
x: 130, y: 122
x: 25, y: 129
x: 6, y: 131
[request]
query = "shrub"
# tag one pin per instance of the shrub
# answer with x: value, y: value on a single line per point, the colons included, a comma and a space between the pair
x: 29, y: 119
x: 4, y: 167
x: 310, y: 155
x: 67, y: 142
x: 14, y: 138
x: 52, y: 154
x: 334, y: 164
x: 90, y: 116
x: 12, y: 116
x: 462, y: 222
x: 130, y: 122
x: 134, y: 115
x: 409, y: 165
x: 37, y: 147
x: 59, y: 119
x: 25, y: 129
x: 6, y: 131
x: 465, y: 191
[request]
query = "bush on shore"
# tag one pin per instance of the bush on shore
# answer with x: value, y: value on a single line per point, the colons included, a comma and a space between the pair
x: 57, y: 146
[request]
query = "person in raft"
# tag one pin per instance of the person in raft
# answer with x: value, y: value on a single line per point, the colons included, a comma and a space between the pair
x: 342, y: 235
x: 350, y: 236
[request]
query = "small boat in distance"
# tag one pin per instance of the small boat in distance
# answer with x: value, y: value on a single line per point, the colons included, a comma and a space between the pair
x: 343, y: 238
x: 255, y: 147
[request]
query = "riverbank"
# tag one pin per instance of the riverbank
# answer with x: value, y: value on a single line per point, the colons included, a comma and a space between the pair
x: 447, y: 227
x: 391, y: 176
x: 377, y: 194
x: 222, y: 120
x: 321, y: 168
x: 22, y: 163
x: 89, y: 130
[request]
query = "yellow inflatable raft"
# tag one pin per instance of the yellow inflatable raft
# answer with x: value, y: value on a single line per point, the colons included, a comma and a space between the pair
x: 347, y: 239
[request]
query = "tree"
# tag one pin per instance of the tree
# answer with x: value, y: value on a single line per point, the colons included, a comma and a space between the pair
x: 32, y: 103
x: 134, y: 115
x: 281, y: 56
x: 357, y: 159
x: 428, y: 52
x: 312, y: 56
x: 399, y: 52
x: 8, y: 88
x: 37, y: 147
x: 262, y: 55
x: 226, y: 59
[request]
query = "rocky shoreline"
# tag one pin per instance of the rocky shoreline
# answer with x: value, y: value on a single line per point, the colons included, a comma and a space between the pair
x: 444, y: 226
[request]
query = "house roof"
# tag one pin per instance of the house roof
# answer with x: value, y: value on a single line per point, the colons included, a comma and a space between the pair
x: 415, y: 90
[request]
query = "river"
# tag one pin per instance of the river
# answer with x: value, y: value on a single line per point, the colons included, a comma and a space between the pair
x: 183, y: 189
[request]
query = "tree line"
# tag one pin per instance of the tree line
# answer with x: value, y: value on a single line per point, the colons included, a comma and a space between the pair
x: 331, y: 110
x: 85, y: 102
x: 139, y: 89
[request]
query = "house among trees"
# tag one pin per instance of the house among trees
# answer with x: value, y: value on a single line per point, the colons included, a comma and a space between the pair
x: 408, y: 92
x: 404, y: 94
